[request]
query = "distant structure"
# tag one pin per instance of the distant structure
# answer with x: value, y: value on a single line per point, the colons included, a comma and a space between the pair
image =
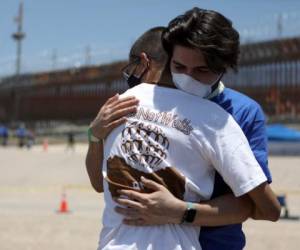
x: 66, y: 95
x: 269, y: 72
x: 18, y: 37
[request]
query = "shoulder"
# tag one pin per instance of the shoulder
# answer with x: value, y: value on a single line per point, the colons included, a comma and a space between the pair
x: 244, y: 105
x: 240, y: 99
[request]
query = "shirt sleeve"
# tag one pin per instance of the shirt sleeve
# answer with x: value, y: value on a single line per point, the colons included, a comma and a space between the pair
x: 257, y: 138
x: 234, y: 160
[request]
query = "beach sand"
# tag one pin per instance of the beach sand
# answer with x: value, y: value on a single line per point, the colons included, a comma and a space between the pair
x: 32, y: 183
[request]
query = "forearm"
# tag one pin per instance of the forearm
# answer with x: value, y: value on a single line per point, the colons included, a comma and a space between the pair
x: 266, y: 205
x: 223, y: 210
x: 259, y: 204
x: 162, y: 207
x: 93, y: 163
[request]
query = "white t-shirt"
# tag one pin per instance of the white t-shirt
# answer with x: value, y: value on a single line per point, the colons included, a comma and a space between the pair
x: 180, y: 141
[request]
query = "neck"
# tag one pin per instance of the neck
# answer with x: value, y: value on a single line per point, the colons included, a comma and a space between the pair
x: 159, y: 76
x: 166, y: 78
x: 166, y: 84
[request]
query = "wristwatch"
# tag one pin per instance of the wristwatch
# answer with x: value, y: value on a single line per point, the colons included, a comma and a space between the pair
x: 189, y: 214
x: 91, y: 137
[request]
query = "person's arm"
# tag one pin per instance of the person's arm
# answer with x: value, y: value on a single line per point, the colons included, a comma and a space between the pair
x: 93, y: 164
x: 161, y: 207
x: 112, y: 114
x: 257, y: 137
x: 266, y: 206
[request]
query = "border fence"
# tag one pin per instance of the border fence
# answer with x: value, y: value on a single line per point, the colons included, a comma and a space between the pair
x: 269, y: 72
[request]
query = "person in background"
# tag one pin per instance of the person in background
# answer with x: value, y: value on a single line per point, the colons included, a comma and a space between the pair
x: 70, y: 141
x: 4, y: 135
x: 30, y: 138
x: 21, y: 134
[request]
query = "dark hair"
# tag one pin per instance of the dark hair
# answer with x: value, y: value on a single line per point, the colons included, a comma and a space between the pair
x: 208, y: 31
x: 151, y: 44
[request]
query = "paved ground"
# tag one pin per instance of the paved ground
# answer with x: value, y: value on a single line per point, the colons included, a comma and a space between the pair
x: 31, y: 183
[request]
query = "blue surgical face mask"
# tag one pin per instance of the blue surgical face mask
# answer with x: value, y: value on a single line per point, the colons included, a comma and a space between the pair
x: 189, y: 85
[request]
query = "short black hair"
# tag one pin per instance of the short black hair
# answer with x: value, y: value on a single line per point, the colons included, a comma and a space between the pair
x: 151, y: 44
x: 208, y: 31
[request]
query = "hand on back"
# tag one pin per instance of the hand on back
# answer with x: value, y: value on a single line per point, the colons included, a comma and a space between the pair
x: 112, y: 114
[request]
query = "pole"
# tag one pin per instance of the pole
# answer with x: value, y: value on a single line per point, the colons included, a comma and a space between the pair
x: 18, y: 37
x: 88, y: 57
x: 54, y: 59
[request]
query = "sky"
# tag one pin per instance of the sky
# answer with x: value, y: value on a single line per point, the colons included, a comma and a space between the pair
x: 71, y: 33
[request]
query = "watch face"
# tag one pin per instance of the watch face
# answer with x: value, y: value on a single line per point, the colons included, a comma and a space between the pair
x: 191, y: 214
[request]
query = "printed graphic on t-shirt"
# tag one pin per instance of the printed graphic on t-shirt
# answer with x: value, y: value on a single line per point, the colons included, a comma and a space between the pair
x: 120, y: 175
x: 168, y: 119
x: 144, y: 147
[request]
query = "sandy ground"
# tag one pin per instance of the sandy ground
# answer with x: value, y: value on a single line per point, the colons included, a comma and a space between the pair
x: 32, y: 182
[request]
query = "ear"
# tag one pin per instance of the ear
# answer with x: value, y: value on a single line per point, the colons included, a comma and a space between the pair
x: 145, y: 61
x: 143, y: 64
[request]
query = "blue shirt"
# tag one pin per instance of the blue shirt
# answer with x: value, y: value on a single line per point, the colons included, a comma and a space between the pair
x: 250, y: 117
x: 21, y: 132
x: 3, y: 131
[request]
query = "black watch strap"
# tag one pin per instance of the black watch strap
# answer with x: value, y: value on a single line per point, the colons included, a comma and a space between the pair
x: 189, y: 214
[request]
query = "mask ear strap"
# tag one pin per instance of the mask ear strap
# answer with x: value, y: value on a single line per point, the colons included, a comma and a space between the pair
x: 134, y: 80
x: 142, y: 73
x: 215, y: 86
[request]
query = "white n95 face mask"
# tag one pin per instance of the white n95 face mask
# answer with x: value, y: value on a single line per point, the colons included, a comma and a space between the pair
x: 189, y: 85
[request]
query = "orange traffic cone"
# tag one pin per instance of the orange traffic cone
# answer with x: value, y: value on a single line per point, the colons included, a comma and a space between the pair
x: 45, y: 145
x: 63, y: 208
